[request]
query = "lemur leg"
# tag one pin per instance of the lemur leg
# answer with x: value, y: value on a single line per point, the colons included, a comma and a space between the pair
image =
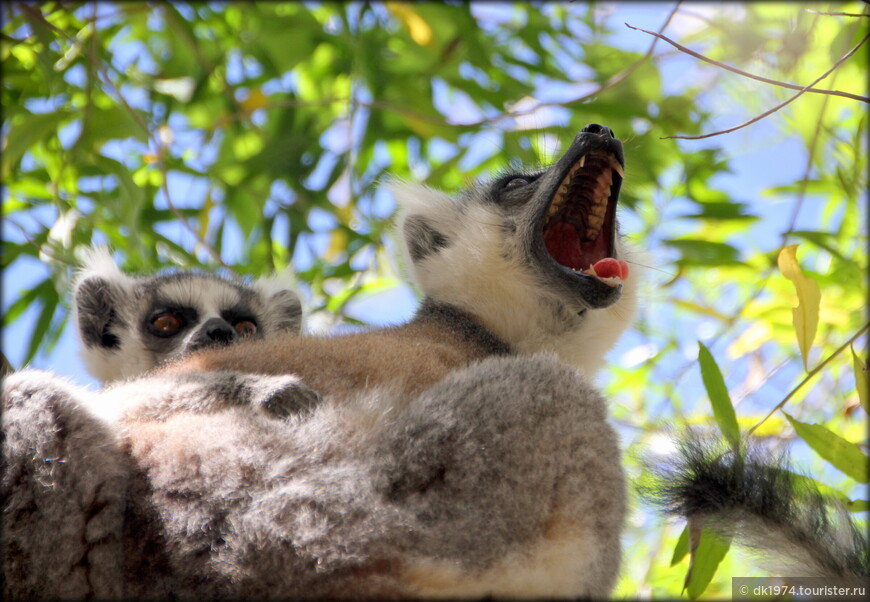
x: 155, y: 397
x: 64, y: 483
x: 516, y: 480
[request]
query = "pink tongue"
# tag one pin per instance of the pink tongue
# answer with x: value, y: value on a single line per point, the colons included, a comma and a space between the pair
x: 610, y: 267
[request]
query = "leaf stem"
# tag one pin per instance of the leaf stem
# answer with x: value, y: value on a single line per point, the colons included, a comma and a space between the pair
x: 806, y: 379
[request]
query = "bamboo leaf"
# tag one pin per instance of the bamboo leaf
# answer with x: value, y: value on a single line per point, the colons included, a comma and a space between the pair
x: 28, y: 131
x: 682, y: 547
x: 806, y: 315
x: 723, y: 411
x: 709, y: 551
x: 844, y: 455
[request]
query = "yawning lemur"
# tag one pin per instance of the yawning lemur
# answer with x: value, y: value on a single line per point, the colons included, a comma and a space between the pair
x: 448, y: 459
x: 129, y: 325
x: 527, y: 262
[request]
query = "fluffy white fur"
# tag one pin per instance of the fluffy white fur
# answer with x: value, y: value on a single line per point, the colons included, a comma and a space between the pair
x: 472, y: 273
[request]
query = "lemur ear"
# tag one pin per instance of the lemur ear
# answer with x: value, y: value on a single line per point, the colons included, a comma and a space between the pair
x: 96, y: 302
x: 100, y: 291
x: 288, y: 309
x: 426, y: 218
x: 281, y: 300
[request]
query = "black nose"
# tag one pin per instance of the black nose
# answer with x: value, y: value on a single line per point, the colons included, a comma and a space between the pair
x: 594, y: 128
x: 213, y: 332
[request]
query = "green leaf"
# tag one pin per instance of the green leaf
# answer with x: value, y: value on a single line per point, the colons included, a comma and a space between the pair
x: 805, y: 316
x: 861, y: 379
x: 682, y: 547
x: 113, y: 123
x: 705, y: 252
x: 49, y: 300
x: 28, y: 131
x: 705, y: 560
x: 718, y: 394
x: 722, y: 211
x: 844, y: 455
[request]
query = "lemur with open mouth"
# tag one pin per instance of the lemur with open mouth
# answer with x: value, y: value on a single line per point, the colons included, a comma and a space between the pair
x: 528, y: 262
x: 463, y: 454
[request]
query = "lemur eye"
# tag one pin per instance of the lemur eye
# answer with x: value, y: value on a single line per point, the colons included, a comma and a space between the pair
x: 516, y: 183
x: 167, y: 323
x: 245, y: 328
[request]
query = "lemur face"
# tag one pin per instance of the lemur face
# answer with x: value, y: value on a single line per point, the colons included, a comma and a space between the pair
x: 567, y: 217
x: 130, y: 325
x: 534, y: 254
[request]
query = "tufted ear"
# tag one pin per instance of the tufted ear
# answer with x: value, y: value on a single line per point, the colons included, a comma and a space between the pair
x: 101, y: 290
x: 288, y: 308
x: 427, y: 219
x: 97, y: 301
x: 281, y: 300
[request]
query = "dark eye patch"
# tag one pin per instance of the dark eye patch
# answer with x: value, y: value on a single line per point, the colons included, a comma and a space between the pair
x: 514, y: 189
x: 516, y: 183
x: 242, y: 320
x: 169, y: 321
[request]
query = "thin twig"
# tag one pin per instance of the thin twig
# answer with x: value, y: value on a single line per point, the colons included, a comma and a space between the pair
x: 806, y: 379
x: 816, y: 12
x: 766, y: 80
x: 782, y: 104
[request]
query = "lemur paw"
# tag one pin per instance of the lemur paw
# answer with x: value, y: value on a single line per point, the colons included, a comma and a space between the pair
x: 20, y: 387
x: 281, y: 396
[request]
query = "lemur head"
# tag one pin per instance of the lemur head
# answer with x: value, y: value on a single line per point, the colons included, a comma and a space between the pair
x: 129, y: 325
x: 535, y: 255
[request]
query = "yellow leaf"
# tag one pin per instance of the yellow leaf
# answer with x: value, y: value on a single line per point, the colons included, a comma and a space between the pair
x: 255, y: 100
x: 205, y: 215
x: 337, y: 245
x: 805, y: 316
x: 417, y: 26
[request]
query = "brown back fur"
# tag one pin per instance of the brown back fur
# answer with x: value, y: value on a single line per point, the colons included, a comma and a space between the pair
x: 407, y: 358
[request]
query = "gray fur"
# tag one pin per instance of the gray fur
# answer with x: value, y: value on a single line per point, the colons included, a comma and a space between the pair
x: 98, y: 323
x: 502, y: 479
x: 243, y: 506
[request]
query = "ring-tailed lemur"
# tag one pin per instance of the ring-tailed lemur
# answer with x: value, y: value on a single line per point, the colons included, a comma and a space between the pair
x: 129, y: 325
x: 753, y: 497
x: 528, y: 262
x: 432, y: 468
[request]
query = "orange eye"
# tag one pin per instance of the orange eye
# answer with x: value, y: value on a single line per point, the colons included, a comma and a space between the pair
x: 166, y: 323
x: 245, y: 328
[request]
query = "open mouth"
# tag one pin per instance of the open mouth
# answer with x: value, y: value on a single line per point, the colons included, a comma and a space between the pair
x: 579, y: 226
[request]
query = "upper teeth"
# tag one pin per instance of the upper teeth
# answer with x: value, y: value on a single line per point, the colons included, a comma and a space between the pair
x: 600, y: 195
x: 615, y: 166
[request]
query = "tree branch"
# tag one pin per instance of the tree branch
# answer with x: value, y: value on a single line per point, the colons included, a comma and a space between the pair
x: 766, y: 80
x: 806, y: 379
x: 817, y: 12
x: 781, y: 105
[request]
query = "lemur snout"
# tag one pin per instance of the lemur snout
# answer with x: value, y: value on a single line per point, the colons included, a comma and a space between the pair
x: 213, y: 333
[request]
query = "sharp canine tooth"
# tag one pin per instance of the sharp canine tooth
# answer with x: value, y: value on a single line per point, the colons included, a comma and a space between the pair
x: 615, y: 166
x: 581, y: 162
